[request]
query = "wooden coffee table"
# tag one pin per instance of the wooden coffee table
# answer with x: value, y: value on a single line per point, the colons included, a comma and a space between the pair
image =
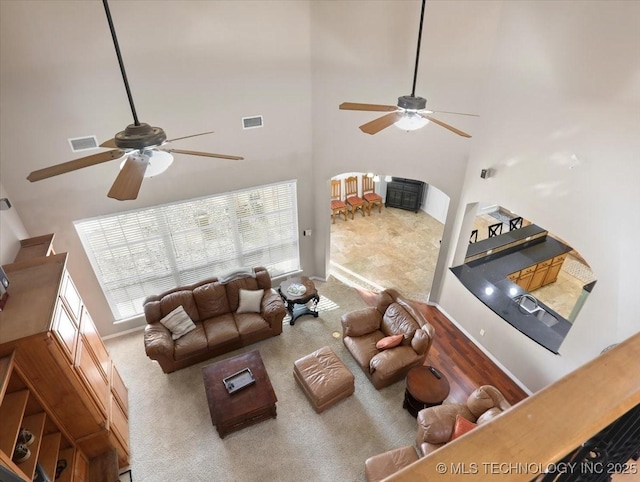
x: 426, y: 387
x: 249, y: 405
x: 296, y: 304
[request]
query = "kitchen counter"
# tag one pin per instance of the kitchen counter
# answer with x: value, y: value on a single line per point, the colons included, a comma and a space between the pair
x: 504, y: 241
x: 487, y: 279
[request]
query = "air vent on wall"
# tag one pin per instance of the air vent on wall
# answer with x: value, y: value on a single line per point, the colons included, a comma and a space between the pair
x: 252, y: 122
x: 83, y: 143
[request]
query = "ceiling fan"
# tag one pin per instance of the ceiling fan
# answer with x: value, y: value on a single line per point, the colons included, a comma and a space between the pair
x: 410, y: 113
x: 145, y: 147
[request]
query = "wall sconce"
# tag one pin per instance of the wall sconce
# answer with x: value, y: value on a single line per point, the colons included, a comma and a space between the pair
x: 369, y: 174
x: 387, y: 179
x: 376, y: 178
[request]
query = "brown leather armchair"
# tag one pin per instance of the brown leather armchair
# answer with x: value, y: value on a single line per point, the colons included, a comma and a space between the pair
x: 392, y: 315
x: 436, y: 424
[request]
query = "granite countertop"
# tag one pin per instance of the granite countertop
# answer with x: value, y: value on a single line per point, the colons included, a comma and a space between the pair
x: 504, y: 239
x: 487, y: 279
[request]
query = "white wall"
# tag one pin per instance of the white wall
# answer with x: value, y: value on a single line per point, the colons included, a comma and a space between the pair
x: 12, y: 230
x: 578, y: 93
x: 437, y: 204
x: 193, y: 66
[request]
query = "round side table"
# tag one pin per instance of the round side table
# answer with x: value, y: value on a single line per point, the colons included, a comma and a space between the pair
x: 296, y: 304
x: 426, y: 387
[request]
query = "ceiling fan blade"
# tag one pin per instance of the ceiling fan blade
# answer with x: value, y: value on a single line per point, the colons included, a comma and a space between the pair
x: 204, y: 154
x: 111, y: 143
x: 380, y: 123
x: 127, y: 184
x: 74, y: 165
x: 446, y: 126
x: 446, y: 112
x: 187, y: 137
x: 367, y: 107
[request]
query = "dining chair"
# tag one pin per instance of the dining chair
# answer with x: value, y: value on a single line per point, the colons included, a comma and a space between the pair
x: 495, y: 229
x: 338, y: 206
x: 369, y: 194
x: 354, y: 202
x: 515, y: 223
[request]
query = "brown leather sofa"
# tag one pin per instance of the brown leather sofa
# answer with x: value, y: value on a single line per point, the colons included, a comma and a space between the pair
x: 392, y: 315
x: 219, y: 329
x: 436, y: 424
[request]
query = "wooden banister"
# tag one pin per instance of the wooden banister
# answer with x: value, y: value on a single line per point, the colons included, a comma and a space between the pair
x: 543, y: 428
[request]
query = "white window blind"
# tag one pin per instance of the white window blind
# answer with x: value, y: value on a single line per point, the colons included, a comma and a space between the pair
x: 150, y: 250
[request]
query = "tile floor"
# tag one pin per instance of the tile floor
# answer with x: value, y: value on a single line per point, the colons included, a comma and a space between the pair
x: 399, y: 249
x: 393, y: 249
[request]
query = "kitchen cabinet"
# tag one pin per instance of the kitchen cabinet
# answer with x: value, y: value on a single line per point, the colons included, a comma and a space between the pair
x: 539, y: 274
x: 524, y: 277
x: 62, y: 377
x: 405, y: 194
x: 554, y: 269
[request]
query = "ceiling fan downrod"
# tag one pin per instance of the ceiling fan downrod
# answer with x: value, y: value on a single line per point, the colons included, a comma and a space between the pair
x: 415, y: 71
x: 121, y: 63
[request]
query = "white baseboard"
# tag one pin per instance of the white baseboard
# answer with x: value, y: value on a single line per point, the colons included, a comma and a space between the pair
x: 483, y: 349
x: 122, y: 333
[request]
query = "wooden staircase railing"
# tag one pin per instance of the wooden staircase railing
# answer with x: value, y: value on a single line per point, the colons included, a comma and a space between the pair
x: 542, y: 429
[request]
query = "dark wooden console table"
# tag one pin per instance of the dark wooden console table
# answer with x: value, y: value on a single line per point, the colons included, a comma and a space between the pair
x: 405, y: 194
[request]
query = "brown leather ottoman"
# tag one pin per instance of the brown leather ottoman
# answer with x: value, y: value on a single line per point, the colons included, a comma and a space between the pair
x: 324, y: 379
x: 381, y: 466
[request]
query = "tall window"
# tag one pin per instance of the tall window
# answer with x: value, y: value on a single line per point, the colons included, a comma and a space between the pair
x: 150, y: 250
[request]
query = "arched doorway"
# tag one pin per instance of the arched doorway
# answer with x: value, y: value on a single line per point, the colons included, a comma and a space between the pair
x: 396, y: 248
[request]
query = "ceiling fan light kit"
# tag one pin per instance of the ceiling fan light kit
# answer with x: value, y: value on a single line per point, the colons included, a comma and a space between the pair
x: 410, y: 113
x: 157, y: 162
x: 143, y: 147
x: 411, y: 121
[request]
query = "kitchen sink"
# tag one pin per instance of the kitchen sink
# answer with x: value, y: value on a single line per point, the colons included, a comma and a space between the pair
x: 530, y: 304
x: 546, y: 317
x: 527, y: 302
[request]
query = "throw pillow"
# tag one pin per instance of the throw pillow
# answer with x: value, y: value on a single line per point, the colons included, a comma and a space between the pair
x: 250, y: 301
x: 178, y: 323
x: 389, y: 342
x: 461, y: 427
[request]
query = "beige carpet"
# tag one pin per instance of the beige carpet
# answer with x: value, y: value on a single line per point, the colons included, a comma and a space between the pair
x: 172, y: 437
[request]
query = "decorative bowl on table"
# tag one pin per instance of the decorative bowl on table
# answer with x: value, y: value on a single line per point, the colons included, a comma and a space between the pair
x: 297, y: 289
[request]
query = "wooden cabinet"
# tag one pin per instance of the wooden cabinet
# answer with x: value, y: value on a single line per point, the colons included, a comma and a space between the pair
x: 523, y: 278
x: 554, y: 269
x: 20, y: 407
x: 405, y: 194
x: 35, y: 248
x: 538, y: 275
x: 64, y: 371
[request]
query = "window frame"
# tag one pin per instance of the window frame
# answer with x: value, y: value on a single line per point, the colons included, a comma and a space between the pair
x: 148, y: 250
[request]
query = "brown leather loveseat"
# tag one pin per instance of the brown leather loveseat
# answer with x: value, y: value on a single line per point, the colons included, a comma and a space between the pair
x: 436, y: 425
x: 363, y: 330
x: 212, y: 305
